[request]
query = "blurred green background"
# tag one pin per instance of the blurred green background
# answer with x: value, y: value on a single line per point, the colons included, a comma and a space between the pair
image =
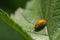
x: 6, y: 32
x: 12, y: 5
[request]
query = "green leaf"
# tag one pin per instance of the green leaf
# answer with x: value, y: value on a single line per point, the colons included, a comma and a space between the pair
x: 53, y: 19
x: 28, y: 27
x: 28, y: 17
x: 7, y: 19
x: 41, y: 9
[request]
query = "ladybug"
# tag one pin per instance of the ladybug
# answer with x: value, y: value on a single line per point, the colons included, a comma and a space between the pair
x: 40, y: 24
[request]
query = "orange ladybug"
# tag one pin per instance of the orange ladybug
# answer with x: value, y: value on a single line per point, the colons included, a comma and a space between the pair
x: 40, y: 24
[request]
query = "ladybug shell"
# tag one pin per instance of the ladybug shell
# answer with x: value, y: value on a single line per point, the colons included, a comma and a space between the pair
x: 40, y: 25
